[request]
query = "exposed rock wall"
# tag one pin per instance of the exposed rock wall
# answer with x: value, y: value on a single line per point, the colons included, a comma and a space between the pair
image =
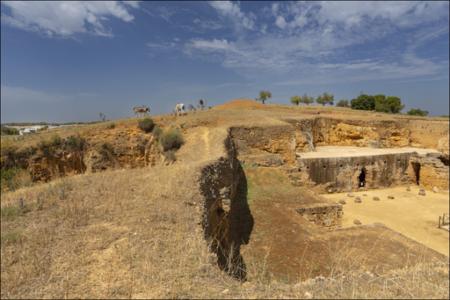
x: 323, y: 214
x: 279, y: 139
x: 227, y: 221
x: 430, y: 171
x: 343, y: 173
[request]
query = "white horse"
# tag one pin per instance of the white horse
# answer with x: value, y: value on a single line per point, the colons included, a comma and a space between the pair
x: 180, y: 109
x: 141, y: 110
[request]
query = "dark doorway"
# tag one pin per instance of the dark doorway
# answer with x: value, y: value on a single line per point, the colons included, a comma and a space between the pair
x: 362, y: 178
x: 416, y: 168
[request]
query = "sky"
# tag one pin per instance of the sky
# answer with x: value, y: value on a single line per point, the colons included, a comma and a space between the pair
x: 69, y: 61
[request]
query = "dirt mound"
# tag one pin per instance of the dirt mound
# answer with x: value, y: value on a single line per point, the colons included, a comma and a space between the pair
x: 240, y: 103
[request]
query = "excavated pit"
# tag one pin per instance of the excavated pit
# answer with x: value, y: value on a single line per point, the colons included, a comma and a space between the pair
x: 330, y: 156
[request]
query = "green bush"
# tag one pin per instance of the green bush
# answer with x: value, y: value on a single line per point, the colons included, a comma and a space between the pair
x: 146, y: 124
x: 171, y: 139
x: 75, y: 143
x: 417, y: 112
x: 390, y: 104
x: 5, y: 130
x: 157, y: 131
x: 343, y: 103
x: 363, y: 102
x: 7, y: 179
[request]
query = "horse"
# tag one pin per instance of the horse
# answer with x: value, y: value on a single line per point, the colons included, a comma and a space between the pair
x: 180, y: 109
x: 141, y: 110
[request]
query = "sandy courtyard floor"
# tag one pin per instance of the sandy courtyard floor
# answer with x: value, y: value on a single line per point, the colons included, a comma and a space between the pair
x: 408, y: 213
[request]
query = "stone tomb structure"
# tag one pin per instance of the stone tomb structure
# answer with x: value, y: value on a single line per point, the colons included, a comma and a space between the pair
x: 346, y: 168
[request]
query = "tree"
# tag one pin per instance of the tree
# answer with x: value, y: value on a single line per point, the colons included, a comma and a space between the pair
x: 296, y: 100
x: 343, y: 103
x: 325, y: 98
x: 307, y: 99
x: 417, y: 112
x: 363, y: 102
x: 394, y: 104
x: 380, y: 103
x: 263, y: 96
x: 102, y: 116
x: 390, y: 104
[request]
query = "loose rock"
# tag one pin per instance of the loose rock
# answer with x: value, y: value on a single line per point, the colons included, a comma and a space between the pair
x: 308, y: 295
x: 357, y: 222
x: 350, y: 195
x: 376, y: 198
x: 422, y: 192
x: 408, y: 189
x: 435, y: 189
x: 358, y: 200
x: 391, y: 197
x: 342, y: 201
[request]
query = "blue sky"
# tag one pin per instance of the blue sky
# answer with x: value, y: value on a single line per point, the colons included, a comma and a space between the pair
x: 68, y: 61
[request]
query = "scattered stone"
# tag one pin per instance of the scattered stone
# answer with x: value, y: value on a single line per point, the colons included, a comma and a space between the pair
x: 435, y: 189
x: 330, y: 190
x: 342, y: 201
x: 350, y: 195
x: 376, y: 198
x: 408, y: 189
x: 308, y: 295
x: 358, y: 200
x: 364, y: 195
x: 357, y: 222
x: 225, y: 291
x: 391, y: 197
x: 422, y: 192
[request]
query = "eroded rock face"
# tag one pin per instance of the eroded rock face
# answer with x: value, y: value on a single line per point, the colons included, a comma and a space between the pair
x: 227, y: 221
x: 351, y: 173
x: 430, y: 171
x: 121, y: 151
x: 60, y: 163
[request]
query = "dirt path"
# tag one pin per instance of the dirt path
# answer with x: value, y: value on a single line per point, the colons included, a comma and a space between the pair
x: 408, y: 213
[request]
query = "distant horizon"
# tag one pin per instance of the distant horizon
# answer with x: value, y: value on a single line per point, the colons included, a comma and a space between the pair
x: 69, y: 61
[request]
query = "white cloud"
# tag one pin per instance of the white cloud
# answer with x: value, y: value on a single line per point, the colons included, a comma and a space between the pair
x: 211, y: 45
x: 65, y: 18
x: 309, y: 37
x: 281, y: 22
x: 400, y: 13
x: 233, y: 11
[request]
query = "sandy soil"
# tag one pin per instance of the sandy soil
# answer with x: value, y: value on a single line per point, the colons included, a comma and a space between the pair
x: 349, y: 151
x: 410, y: 214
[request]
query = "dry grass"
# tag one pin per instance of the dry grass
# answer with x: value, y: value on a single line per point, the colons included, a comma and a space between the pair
x: 135, y: 234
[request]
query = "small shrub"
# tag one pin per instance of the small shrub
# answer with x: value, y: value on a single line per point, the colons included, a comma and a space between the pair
x: 343, y: 103
x: 8, y: 130
x: 106, y: 150
x: 157, y: 131
x: 8, y: 179
x: 111, y: 126
x: 417, y: 112
x: 9, y: 155
x: 171, y: 139
x: 75, y: 143
x: 56, y: 141
x: 48, y: 147
x: 146, y: 124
